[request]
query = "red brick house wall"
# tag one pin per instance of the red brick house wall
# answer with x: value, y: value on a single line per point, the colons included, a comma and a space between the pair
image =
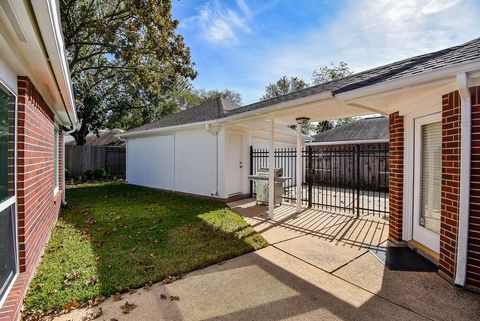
x: 450, y: 183
x: 473, y: 256
x: 396, y: 148
x: 37, y: 205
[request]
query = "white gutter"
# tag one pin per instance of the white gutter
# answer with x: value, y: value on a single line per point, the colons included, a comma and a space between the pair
x: 465, y: 164
x: 64, y: 201
x: 349, y: 142
x: 251, y: 113
x: 214, y: 131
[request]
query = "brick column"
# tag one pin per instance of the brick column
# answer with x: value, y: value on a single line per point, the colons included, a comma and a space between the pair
x: 396, y: 147
x: 450, y: 183
x: 473, y: 256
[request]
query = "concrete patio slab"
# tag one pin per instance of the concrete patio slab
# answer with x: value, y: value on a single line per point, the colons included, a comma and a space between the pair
x: 426, y: 292
x: 317, y: 268
x: 266, y: 285
x: 323, y: 254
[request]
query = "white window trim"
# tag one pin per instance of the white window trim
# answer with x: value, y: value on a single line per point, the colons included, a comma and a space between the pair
x: 409, y: 168
x: 13, y: 200
x: 431, y: 239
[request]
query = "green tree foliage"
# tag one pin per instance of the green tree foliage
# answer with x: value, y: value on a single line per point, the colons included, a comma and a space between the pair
x: 283, y: 86
x: 126, y: 60
x: 202, y: 95
x: 321, y: 75
x: 331, y: 72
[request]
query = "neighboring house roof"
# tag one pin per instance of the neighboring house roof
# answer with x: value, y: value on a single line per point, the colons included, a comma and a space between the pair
x: 105, y: 137
x: 210, y: 110
x: 467, y: 52
x: 362, y: 129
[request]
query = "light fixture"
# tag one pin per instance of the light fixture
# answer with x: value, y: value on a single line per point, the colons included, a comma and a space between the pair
x: 302, y: 120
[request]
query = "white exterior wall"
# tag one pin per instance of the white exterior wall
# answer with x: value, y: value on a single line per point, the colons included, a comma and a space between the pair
x: 183, y: 161
x: 186, y: 160
x: 195, y: 162
x: 8, y: 77
x: 150, y: 161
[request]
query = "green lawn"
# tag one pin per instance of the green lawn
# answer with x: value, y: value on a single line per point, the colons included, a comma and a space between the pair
x: 114, y: 236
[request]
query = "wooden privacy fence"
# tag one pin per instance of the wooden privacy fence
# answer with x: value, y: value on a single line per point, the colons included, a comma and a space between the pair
x: 79, y: 159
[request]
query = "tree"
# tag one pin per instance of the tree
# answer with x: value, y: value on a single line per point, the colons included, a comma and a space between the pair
x: 203, y: 95
x: 126, y: 60
x: 321, y: 75
x: 331, y: 72
x: 283, y: 86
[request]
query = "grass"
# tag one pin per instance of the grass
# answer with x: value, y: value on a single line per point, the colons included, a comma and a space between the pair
x: 113, y: 237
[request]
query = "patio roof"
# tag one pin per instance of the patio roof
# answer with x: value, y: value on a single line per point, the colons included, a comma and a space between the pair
x: 221, y: 109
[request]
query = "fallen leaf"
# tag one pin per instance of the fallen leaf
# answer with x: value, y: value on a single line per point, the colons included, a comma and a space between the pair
x: 147, y: 285
x: 93, y: 315
x: 117, y: 297
x: 169, y: 279
x: 91, y: 282
x: 127, y: 307
x: 71, y: 305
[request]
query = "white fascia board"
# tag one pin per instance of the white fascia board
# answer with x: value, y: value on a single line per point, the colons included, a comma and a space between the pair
x: 349, y: 142
x: 410, y: 81
x: 248, y: 114
x: 47, y: 14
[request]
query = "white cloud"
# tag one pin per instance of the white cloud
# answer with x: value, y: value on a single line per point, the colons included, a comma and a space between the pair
x: 219, y: 24
x: 370, y: 33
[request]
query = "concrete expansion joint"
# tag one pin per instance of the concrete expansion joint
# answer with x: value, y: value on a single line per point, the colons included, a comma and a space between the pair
x: 349, y: 282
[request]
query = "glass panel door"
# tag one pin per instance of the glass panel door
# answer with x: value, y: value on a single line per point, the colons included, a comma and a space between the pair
x: 428, y: 181
x: 8, y: 220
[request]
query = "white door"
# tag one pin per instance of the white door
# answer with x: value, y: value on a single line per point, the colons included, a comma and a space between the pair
x: 427, y: 181
x: 234, y: 163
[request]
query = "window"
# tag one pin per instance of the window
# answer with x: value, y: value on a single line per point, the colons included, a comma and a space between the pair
x: 431, y: 180
x: 55, y: 158
x: 8, y: 219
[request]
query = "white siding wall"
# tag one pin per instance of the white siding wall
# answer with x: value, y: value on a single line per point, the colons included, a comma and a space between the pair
x: 150, y: 162
x: 195, y: 161
x: 7, y: 76
x: 184, y: 161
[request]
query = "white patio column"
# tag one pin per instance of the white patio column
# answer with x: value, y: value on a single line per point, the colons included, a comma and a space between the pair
x: 299, y: 168
x: 271, y: 170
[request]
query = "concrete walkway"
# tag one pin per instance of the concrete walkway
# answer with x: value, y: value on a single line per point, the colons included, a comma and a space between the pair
x: 317, y: 268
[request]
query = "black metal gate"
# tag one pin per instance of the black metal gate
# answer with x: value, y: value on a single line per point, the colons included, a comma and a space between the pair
x: 347, y: 178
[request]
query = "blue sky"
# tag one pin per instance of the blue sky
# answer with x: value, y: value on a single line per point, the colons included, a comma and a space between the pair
x: 244, y: 44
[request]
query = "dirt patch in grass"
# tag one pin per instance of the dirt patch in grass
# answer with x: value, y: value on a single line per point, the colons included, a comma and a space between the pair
x: 113, y: 237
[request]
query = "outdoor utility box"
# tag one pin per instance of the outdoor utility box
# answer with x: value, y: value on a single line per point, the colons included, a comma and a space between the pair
x: 262, y: 186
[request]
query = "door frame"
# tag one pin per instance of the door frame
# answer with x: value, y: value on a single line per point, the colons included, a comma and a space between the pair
x: 429, y: 238
x: 13, y: 199
x: 228, y: 186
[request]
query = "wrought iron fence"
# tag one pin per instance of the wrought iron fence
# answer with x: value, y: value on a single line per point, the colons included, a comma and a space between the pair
x: 350, y: 178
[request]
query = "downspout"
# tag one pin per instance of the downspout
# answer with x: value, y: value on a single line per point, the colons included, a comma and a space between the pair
x: 214, y: 131
x: 465, y: 164
x: 64, y: 201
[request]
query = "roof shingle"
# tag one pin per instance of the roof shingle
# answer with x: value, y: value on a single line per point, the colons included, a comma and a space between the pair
x: 361, y: 129
x: 219, y: 108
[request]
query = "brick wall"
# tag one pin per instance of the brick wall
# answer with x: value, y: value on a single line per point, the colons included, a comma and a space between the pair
x: 38, y: 208
x: 450, y: 182
x: 473, y: 258
x: 396, y: 128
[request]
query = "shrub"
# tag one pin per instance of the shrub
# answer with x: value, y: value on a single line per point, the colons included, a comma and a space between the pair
x: 100, y: 173
x: 68, y: 174
x: 88, y: 174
